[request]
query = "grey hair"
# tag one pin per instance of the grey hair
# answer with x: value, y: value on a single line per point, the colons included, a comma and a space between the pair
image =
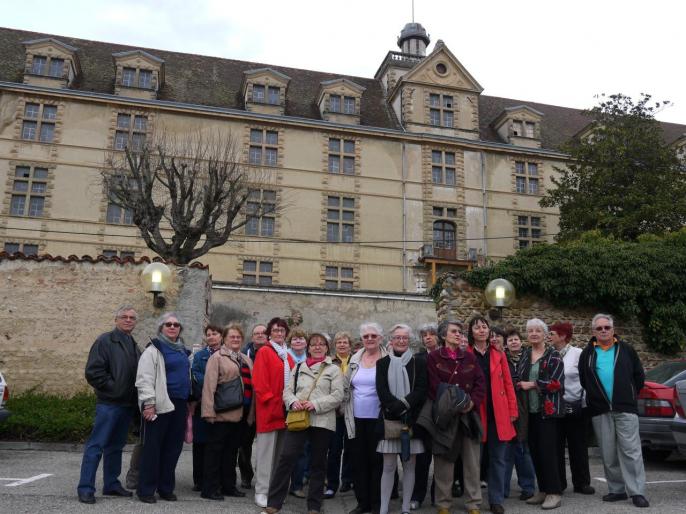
x: 443, y: 328
x: 536, y: 322
x: 124, y: 308
x: 373, y: 325
x: 606, y: 316
x: 402, y: 326
x: 428, y: 328
x: 162, y: 319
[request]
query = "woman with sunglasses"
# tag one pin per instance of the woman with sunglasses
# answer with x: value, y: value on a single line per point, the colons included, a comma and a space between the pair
x: 164, y: 386
x: 361, y: 412
x: 316, y: 385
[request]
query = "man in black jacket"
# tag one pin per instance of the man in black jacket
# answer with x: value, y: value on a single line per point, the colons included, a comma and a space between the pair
x: 111, y: 371
x: 612, y: 375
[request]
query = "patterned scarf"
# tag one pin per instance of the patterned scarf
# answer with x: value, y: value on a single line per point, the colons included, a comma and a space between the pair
x: 283, y: 355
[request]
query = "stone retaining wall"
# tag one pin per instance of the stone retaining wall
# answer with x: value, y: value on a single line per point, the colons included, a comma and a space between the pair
x: 460, y: 300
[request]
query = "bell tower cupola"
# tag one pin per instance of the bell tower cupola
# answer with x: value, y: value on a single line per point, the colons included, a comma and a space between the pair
x: 413, y: 39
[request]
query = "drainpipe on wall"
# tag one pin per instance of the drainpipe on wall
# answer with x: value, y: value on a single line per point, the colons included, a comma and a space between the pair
x: 484, y: 206
x: 404, y: 176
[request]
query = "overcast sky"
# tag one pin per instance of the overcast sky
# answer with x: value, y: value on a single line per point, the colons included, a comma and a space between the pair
x: 556, y: 52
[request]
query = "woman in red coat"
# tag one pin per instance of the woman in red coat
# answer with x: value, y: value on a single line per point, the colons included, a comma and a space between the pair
x: 271, y: 372
x: 499, y: 409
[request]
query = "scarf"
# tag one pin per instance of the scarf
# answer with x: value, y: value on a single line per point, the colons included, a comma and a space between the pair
x: 283, y: 355
x: 344, y: 363
x: 514, y: 357
x: 398, y: 381
x: 311, y: 361
x: 177, y: 346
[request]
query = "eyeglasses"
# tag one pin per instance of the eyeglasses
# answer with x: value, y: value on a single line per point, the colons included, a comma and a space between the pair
x: 134, y: 318
x: 318, y: 343
x: 606, y: 328
x: 171, y: 324
x: 259, y: 334
x: 400, y: 338
x: 278, y: 329
x: 370, y: 336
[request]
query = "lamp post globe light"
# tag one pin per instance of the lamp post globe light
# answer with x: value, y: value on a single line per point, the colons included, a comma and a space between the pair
x: 500, y: 293
x: 155, y: 278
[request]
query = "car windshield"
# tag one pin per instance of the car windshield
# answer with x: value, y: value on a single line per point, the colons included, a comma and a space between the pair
x: 665, y: 372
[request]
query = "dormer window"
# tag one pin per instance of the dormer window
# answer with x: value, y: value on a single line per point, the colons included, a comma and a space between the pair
x: 344, y: 104
x: 523, y: 128
x: 519, y: 126
x: 340, y: 100
x: 264, y: 90
x: 138, y: 74
x: 50, y: 63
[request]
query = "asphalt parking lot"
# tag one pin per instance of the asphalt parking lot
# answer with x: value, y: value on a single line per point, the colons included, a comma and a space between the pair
x: 33, y: 481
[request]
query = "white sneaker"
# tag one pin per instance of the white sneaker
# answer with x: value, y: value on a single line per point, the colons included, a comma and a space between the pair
x: 261, y: 500
x: 415, y: 505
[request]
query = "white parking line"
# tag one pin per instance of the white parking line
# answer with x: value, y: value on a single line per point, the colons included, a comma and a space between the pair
x: 21, y: 481
x: 599, y: 479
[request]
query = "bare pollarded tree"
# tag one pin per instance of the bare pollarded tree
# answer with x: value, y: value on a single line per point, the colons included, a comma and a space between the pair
x: 186, y: 194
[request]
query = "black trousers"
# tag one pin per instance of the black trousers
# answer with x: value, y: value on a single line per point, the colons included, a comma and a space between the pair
x: 573, y: 431
x: 162, y: 445
x: 293, y: 447
x: 367, y: 465
x: 421, y: 476
x: 198, y: 462
x: 221, y: 450
x: 543, y: 444
x: 245, y: 450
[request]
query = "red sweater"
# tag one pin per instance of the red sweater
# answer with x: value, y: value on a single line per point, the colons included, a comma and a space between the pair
x: 267, y: 381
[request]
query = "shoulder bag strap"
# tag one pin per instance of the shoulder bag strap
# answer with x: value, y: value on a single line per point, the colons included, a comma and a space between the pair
x: 321, y: 371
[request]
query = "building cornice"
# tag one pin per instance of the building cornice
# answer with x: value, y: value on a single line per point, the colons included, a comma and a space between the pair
x: 239, y: 114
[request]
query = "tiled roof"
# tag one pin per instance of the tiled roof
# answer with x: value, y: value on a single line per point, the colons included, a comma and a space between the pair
x: 213, y: 81
x: 19, y: 256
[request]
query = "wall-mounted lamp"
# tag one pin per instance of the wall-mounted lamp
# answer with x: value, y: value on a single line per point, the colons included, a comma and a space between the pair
x: 155, y: 278
x: 500, y: 293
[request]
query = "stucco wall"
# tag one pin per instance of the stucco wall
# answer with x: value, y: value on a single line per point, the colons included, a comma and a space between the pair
x: 328, y: 313
x: 52, y: 311
x: 461, y: 301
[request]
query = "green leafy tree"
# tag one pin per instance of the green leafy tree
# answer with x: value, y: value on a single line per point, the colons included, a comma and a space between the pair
x: 622, y: 179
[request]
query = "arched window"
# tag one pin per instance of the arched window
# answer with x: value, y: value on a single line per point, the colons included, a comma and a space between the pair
x: 444, y: 235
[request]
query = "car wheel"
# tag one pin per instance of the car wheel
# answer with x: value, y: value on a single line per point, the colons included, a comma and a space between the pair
x: 656, y: 455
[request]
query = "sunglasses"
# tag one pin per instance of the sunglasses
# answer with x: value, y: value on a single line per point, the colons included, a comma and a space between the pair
x: 171, y: 324
x: 605, y: 328
x: 370, y: 336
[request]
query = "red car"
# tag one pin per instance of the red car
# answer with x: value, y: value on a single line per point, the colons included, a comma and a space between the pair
x: 656, y: 409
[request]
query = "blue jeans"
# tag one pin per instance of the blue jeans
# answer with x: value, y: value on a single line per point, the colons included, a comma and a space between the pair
x: 107, y: 440
x: 496, y: 465
x: 518, y: 456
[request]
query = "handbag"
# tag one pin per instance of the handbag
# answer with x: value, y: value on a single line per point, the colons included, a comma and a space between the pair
x: 392, y: 428
x: 298, y: 420
x: 229, y: 395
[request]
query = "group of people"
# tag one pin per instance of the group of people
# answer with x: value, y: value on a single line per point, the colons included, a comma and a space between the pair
x: 474, y: 399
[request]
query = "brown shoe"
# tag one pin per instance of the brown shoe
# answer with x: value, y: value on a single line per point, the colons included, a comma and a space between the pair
x: 270, y: 510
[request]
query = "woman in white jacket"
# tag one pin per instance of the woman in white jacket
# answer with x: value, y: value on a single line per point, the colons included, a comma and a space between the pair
x: 316, y: 385
x: 164, y: 386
